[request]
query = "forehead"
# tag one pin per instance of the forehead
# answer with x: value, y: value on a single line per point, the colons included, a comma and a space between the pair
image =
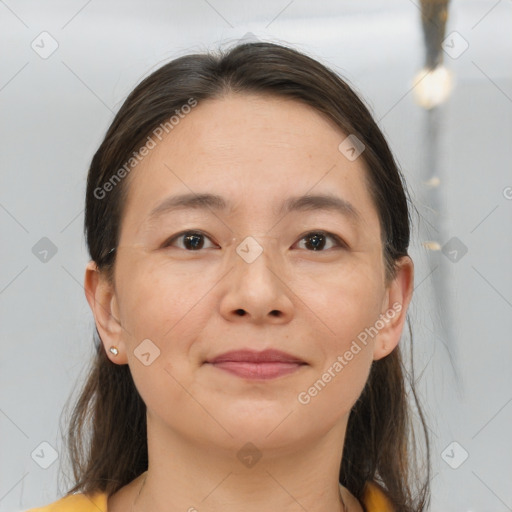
x: 255, y: 150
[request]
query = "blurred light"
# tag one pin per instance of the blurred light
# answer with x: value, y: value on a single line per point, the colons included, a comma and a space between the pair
x: 432, y: 86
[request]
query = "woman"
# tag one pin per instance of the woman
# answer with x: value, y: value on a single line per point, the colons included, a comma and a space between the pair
x: 249, y: 278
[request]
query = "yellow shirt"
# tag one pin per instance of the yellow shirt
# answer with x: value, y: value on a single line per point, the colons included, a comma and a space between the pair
x: 373, y: 499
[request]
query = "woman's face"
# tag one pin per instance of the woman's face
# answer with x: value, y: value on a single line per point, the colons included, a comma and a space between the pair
x: 251, y: 279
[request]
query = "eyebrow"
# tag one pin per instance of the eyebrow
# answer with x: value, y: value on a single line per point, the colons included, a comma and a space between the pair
x: 215, y: 202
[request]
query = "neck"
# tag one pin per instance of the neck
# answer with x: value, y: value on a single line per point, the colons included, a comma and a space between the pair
x: 191, y: 509
x: 219, y: 480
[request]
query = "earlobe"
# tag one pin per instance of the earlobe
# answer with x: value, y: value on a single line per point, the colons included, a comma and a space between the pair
x: 397, y: 299
x: 103, y: 303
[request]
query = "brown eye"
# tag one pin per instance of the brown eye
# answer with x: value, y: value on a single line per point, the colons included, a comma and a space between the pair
x: 191, y: 240
x: 314, y: 241
x: 317, y: 240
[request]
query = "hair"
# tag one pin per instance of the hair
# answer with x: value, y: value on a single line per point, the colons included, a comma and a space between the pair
x: 106, y: 434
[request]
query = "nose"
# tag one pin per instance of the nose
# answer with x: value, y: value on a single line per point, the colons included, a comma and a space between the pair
x: 256, y: 292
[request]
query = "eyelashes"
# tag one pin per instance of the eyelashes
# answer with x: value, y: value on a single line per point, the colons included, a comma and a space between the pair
x: 192, y: 237
x: 194, y: 241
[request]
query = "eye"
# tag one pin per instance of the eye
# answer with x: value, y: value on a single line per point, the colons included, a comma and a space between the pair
x: 316, y: 240
x: 192, y: 240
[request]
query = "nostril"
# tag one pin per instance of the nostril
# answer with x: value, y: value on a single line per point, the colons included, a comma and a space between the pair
x: 274, y: 312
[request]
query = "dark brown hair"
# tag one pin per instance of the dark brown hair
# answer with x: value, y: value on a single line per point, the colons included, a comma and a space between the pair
x: 107, y: 430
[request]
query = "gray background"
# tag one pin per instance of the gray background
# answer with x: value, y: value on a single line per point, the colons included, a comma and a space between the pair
x: 54, y: 112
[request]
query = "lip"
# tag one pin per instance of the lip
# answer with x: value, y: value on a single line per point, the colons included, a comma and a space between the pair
x: 253, y: 356
x: 250, y: 364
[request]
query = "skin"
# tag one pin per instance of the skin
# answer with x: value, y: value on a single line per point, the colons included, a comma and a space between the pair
x: 255, y: 151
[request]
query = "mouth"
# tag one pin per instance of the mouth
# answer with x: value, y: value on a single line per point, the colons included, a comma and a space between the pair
x: 250, y: 364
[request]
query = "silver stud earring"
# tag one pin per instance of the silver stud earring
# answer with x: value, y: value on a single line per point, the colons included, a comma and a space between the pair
x: 114, y: 350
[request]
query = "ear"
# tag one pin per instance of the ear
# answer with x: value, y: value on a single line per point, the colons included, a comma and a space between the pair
x: 102, y: 300
x: 397, y: 297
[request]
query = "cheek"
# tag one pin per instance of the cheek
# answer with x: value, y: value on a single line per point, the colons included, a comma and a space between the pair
x: 344, y: 302
x: 334, y: 392
x: 348, y: 303
x: 160, y: 302
x: 159, y: 306
x: 347, y: 308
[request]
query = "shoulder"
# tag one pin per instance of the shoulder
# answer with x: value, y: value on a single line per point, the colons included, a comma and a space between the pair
x: 76, y: 503
x: 375, y: 499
